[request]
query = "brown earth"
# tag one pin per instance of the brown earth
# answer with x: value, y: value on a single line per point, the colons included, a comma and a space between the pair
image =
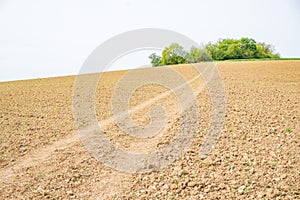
x: 256, y: 157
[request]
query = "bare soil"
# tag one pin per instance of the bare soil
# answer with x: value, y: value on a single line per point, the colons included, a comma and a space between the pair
x: 256, y: 157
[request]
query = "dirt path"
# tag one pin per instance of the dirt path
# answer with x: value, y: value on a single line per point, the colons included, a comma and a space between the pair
x: 37, y: 156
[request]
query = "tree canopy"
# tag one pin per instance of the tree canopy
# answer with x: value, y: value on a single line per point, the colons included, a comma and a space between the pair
x: 173, y: 54
x: 224, y: 49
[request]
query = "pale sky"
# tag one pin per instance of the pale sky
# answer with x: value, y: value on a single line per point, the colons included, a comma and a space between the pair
x: 53, y: 38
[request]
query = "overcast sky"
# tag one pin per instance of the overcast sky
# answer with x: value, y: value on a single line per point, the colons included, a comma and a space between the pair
x: 53, y: 38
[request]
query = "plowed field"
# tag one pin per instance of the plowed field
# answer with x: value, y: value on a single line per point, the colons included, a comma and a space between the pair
x: 257, y: 155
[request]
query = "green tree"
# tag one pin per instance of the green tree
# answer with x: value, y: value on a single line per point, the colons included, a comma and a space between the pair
x: 223, y: 47
x: 173, y: 54
x: 234, y: 52
x: 211, y: 49
x: 248, y: 46
x: 155, y: 60
x: 265, y: 51
x: 197, y: 55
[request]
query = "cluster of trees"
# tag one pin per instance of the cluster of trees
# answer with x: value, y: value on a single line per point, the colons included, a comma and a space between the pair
x: 175, y: 54
x: 244, y: 48
x: 224, y: 49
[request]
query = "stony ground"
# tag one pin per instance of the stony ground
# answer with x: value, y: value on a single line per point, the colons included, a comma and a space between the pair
x: 256, y: 157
